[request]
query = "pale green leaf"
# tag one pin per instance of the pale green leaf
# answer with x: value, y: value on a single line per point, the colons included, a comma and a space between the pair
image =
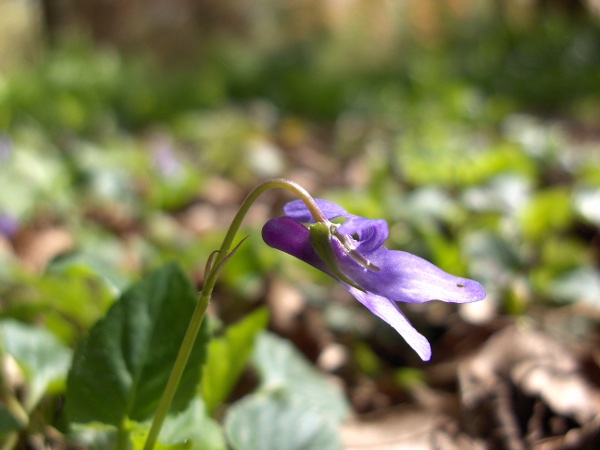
x: 43, y: 357
x: 228, y: 356
x: 269, y: 421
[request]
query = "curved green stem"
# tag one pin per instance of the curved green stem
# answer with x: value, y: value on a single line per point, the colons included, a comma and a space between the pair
x: 281, y: 183
x: 209, y: 284
x: 182, y: 358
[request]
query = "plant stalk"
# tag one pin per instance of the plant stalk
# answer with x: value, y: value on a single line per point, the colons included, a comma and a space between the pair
x: 205, y: 296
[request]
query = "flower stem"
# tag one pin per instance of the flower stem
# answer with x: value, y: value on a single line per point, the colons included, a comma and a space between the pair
x: 182, y: 358
x: 123, y: 436
x: 209, y: 284
x: 273, y: 183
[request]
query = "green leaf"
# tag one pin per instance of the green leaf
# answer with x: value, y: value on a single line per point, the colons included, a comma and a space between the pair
x: 446, y: 253
x: 227, y: 357
x: 120, y: 371
x: 268, y: 421
x: 194, y: 429
x: 8, y: 422
x: 282, y: 368
x: 89, y: 266
x: 549, y: 210
x: 580, y: 284
x: 44, y: 359
x: 93, y: 435
x: 74, y: 301
x: 367, y: 360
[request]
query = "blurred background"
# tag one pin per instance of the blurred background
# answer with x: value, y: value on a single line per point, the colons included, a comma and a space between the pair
x: 130, y: 131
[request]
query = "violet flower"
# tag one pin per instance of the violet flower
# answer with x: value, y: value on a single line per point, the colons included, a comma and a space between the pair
x: 8, y: 225
x: 353, y: 253
x: 164, y: 159
x: 6, y: 147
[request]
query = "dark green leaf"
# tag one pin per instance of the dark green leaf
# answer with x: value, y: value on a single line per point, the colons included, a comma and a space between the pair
x: 8, y: 423
x: 120, y: 371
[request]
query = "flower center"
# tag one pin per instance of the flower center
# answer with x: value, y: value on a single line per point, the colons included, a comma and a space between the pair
x: 349, y: 246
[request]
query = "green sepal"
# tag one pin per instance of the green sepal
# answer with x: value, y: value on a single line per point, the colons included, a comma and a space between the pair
x: 320, y: 238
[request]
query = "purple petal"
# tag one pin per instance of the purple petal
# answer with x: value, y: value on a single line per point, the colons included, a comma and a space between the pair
x: 165, y: 161
x: 293, y: 238
x: 297, y: 210
x: 8, y: 225
x: 404, y: 277
x: 371, y: 233
x: 389, y: 312
x: 6, y: 147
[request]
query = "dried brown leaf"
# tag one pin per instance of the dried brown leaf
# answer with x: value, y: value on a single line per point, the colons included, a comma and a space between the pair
x: 405, y: 427
x: 525, y: 387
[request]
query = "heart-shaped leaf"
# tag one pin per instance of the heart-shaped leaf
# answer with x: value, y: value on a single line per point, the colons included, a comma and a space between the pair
x: 120, y: 371
x: 283, y: 368
x: 271, y: 421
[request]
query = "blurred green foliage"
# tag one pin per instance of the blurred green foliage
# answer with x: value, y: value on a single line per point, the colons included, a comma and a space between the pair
x: 474, y: 148
x: 445, y: 134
